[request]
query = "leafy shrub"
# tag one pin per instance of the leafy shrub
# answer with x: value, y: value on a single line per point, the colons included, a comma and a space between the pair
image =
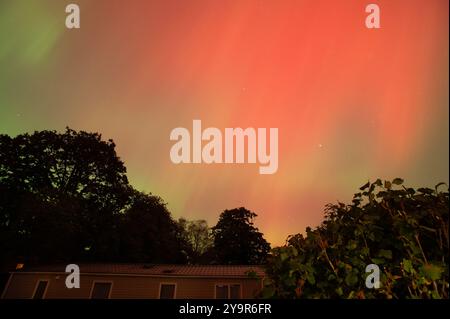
x: 402, y: 230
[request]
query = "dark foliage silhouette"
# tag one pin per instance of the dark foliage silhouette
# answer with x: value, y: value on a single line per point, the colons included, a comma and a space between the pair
x: 199, y: 236
x: 237, y: 240
x: 66, y: 197
x: 402, y: 230
x: 148, y: 232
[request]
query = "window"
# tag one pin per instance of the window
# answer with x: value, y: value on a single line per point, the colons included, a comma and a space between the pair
x: 101, y: 290
x: 167, y: 291
x: 235, y: 291
x: 228, y: 291
x: 41, y: 288
x: 221, y: 291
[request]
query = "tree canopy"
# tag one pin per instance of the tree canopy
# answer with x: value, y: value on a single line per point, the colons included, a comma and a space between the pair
x: 66, y: 197
x: 237, y: 240
x: 199, y: 236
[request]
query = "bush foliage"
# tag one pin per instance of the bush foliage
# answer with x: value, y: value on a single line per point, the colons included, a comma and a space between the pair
x: 402, y: 230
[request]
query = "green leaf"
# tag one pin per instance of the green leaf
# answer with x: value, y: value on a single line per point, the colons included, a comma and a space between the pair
x: 268, y: 282
x: 352, y: 245
x: 432, y: 271
x: 352, y: 278
x: 397, y: 181
x: 407, y: 266
x: 268, y: 292
x: 310, y: 278
x: 365, y: 251
x: 378, y: 261
x: 435, y: 295
x: 385, y: 253
x: 331, y: 277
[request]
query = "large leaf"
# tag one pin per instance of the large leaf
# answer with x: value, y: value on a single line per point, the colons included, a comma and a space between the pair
x: 385, y: 253
x: 351, y: 278
x: 397, y: 181
x: 432, y: 271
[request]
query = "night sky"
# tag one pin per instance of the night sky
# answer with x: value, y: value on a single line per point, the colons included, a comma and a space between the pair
x: 350, y: 103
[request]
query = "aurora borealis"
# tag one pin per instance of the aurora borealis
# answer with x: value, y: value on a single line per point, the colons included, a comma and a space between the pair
x: 350, y: 104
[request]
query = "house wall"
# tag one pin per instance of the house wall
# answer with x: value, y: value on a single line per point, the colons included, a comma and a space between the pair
x: 23, y: 285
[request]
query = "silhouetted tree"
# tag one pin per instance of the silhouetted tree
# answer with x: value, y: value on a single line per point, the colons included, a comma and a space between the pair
x: 199, y: 237
x: 60, y: 195
x: 149, y: 234
x: 237, y: 241
x: 65, y: 197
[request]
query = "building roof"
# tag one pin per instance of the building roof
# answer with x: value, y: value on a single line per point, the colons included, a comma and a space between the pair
x: 157, y: 269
